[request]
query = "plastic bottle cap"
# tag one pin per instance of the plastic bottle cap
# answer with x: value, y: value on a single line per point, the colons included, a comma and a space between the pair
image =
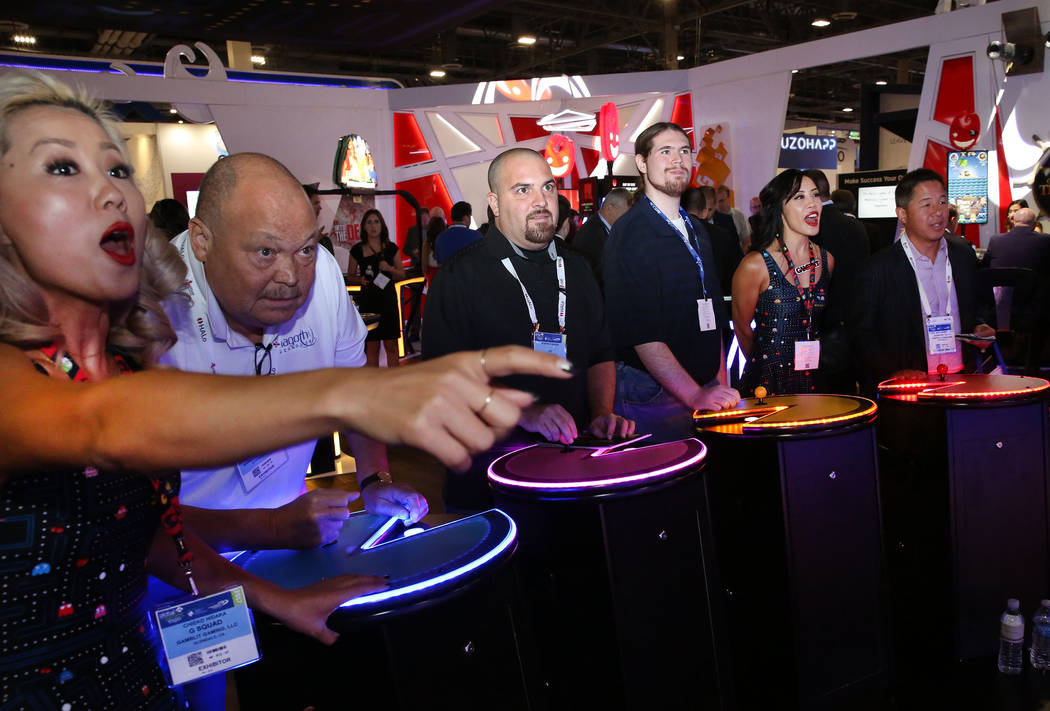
x: 1013, y: 605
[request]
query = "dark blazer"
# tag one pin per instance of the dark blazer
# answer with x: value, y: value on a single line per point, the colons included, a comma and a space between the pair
x: 1020, y: 247
x: 886, y: 319
x: 847, y: 240
x: 726, y: 251
x: 590, y: 242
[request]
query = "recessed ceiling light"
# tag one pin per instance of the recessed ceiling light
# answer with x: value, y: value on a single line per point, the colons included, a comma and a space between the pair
x: 527, y: 40
x: 848, y: 109
x: 880, y: 82
x: 172, y: 110
x: 437, y: 73
x: 258, y: 60
x: 794, y: 71
x: 821, y: 22
x: 24, y: 39
x: 681, y: 57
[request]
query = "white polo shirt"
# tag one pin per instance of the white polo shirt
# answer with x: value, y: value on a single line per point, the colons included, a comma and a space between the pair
x: 325, y: 332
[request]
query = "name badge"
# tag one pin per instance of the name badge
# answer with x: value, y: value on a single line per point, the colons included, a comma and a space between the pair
x: 807, y: 355
x: 550, y: 343
x: 705, y: 311
x: 254, y: 471
x: 940, y: 334
x: 207, y: 635
x: 381, y: 280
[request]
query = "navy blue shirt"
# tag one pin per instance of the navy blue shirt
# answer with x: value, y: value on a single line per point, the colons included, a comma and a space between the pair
x: 651, y: 287
x: 452, y: 240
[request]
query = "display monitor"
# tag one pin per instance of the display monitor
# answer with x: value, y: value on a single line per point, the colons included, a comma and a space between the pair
x: 968, y: 185
x: 876, y: 201
x: 354, y: 166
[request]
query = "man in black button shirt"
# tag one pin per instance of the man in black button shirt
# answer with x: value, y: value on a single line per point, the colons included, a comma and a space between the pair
x: 508, y: 288
x: 665, y: 318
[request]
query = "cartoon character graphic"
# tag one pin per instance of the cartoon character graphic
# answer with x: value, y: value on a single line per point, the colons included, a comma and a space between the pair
x: 964, y: 131
x: 560, y: 153
x: 609, y: 130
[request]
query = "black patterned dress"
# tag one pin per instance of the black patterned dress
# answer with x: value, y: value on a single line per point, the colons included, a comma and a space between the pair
x: 74, y: 633
x: 780, y: 320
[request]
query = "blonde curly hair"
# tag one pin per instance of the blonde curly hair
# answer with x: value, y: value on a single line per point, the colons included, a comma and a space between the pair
x: 138, y: 327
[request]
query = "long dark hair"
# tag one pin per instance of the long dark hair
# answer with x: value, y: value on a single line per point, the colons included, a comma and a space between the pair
x: 384, y: 234
x: 773, y: 196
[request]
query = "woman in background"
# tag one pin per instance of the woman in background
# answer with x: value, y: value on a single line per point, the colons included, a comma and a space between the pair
x: 375, y: 264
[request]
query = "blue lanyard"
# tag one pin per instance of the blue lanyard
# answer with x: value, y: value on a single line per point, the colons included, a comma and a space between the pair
x: 687, y: 240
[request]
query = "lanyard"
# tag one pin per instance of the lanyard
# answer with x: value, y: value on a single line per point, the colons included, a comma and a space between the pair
x: 559, y: 263
x: 909, y: 252
x: 807, y: 292
x: 171, y: 519
x: 687, y: 240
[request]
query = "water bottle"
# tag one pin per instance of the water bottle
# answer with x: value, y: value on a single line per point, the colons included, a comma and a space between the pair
x: 1011, y: 638
x: 1040, y: 652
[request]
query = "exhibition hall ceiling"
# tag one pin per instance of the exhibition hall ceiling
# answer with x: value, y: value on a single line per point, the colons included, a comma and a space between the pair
x: 478, y: 40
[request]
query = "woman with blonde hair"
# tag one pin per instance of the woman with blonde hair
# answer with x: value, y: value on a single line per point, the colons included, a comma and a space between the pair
x: 92, y: 438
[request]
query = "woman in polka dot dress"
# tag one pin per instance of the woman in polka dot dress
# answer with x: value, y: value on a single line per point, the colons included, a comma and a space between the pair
x: 90, y: 449
x: 782, y: 284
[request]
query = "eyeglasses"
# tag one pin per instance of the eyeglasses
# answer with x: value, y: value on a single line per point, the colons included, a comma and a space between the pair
x: 262, y: 359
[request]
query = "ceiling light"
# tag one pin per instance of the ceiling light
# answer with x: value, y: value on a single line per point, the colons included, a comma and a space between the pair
x: 681, y: 57
x: 880, y: 82
x: 794, y: 71
x: 437, y: 73
x: 821, y: 22
x: 173, y: 110
x: 24, y: 39
x: 259, y: 60
x: 527, y: 40
x: 848, y: 109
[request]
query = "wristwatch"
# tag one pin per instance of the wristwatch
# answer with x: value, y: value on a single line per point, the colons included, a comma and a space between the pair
x: 377, y: 478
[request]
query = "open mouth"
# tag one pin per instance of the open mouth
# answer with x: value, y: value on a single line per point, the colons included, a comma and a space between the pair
x: 812, y: 219
x: 119, y: 243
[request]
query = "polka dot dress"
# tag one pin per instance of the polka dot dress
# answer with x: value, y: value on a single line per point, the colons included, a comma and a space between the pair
x: 780, y: 320
x: 73, y: 630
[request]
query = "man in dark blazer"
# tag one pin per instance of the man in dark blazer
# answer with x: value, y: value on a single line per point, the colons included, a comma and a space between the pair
x: 1020, y: 247
x: 889, y: 319
x: 590, y: 239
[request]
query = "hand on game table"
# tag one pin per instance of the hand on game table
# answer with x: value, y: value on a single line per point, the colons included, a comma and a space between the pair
x: 552, y: 422
x: 395, y: 499
x: 312, y: 519
x: 609, y: 425
x: 307, y: 609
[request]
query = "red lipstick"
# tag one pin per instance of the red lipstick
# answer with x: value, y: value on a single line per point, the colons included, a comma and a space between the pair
x: 119, y: 243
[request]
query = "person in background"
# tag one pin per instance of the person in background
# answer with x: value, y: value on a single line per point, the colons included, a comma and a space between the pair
x: 566, y: 225
x: 430, y: 262
x: 916, y: 295
x: 458, y: 234
x: 81, y: 501
x: 664, y: 308
x: 590, y: 238
x: 414, y: 239
x: 725, y: 210
x: 169, y: 216
x: 723, y: 246
x: 782, y: 284
x: 1011, y: 210
x: 311, y: 190
x: 375, y: 265
x: 847, y: 240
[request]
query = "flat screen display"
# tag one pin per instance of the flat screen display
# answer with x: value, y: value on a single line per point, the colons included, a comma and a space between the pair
x: 968, y: 185
x: 354, y: 166
x: 876, y: 201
